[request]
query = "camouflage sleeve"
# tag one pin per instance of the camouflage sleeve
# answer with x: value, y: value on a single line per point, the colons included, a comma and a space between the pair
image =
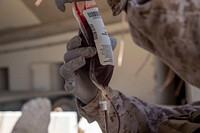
x: 188, y: 108
x: 118, y: 6
x: 134, y: 114
x: 169, y: 29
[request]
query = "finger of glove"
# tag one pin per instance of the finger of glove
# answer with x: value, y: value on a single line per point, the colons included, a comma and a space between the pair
x: 113, y: 42
x: 70, y: 78
x: 86, y: 52
x: 67, y: 71
x: 75, y: 64
x: 61, y: 3
x: 75, y: 42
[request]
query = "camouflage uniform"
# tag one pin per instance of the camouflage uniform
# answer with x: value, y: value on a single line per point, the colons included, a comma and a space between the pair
x: 171, y: 30
x: 135, y: 115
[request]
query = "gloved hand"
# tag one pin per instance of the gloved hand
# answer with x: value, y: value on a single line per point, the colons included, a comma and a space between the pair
x: 77, y: 80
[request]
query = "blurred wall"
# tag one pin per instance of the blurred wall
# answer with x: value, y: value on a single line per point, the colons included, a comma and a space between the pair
x: 125, y: 78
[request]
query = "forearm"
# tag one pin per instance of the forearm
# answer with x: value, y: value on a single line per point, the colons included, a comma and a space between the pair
x: 93, y: 112
x: 121, y: 113
x: 134, y: 114
x: 186, y: 109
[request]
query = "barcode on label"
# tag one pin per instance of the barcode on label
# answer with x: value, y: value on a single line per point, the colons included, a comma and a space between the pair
x: 93, y: 14
x: 94, y: 32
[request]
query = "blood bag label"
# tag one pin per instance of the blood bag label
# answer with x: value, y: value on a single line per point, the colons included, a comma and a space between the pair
x: 101, y: 38
x: 94, y: 14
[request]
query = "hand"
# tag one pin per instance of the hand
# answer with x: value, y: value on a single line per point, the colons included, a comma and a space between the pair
x: 61, y: 3
x: 77, y: 80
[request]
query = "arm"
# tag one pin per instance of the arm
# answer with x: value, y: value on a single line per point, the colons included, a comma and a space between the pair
x: 131, y: 119
x: 169, y: 30
x: 135, y: 114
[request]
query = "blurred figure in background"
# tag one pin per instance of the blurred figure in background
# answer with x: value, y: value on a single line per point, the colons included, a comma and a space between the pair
x: 35, y: 117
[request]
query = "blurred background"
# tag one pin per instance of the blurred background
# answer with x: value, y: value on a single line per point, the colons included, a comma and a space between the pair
x: 33, y: 42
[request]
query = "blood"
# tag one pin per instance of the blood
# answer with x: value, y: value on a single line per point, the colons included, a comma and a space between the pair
x: 102, y: 73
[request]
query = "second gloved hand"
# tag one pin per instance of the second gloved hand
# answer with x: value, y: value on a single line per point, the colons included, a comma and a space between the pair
x: 77, y: 80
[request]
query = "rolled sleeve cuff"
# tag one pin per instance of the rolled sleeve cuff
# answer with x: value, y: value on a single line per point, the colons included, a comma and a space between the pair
x: 90, y: 110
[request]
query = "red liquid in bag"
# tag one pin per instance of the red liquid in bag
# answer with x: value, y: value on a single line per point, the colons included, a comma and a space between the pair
x: 94, y: 34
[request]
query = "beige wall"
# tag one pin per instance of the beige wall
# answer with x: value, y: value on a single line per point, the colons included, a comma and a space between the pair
x: 125, y: 78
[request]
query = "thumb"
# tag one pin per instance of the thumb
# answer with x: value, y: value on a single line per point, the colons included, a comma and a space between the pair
x: 113, y: 42
x: 70, y: 79
x: 61, y: 3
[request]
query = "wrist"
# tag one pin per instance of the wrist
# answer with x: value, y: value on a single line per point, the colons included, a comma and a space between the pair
x: 86, y: 95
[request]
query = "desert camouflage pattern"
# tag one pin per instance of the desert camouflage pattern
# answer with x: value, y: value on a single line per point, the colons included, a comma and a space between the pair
x: 135, y: 115
x: 170, y: 29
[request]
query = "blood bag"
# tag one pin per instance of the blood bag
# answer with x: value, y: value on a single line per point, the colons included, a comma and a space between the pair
x: 94, y: 33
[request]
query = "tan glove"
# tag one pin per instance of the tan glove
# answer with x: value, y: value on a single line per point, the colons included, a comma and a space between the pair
x: 77, y: 80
